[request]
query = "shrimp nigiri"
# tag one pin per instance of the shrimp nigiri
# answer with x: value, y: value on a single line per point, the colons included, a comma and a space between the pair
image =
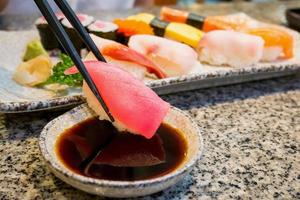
x: 136, y: 99
x: 172, y: 57
x: 230, y: 48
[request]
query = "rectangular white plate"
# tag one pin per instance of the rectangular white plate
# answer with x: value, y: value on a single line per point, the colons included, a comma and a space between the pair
x: 15, y: 98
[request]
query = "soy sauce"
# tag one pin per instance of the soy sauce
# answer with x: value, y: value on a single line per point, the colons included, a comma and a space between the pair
x: 167, y: 149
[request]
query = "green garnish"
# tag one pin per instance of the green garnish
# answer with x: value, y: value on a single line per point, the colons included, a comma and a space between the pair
x: 33, y: 50
x: 58, y: 76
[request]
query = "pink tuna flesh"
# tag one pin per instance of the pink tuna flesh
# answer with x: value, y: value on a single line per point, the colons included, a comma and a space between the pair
x: 131, y: 103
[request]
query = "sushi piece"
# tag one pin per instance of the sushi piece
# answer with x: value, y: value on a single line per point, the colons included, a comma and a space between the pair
x: 176, y: 31
x: 74, y: 36
x: 237, y: 22
x: 107, y: 30
x: 231, y: 48
x: 159, y: 26
x: 172, y: 57
x: 129, y: 58
x: 138, y: 71
x: 278, y: 43
x: 203, y: 23
x: 180, y: 16
x: 47, y: 36
x: 241, y: 22
x: 137, y: 99
x: 129, y: 27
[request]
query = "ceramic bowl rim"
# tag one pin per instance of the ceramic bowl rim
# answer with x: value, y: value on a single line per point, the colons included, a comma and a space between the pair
x: 53, y: 162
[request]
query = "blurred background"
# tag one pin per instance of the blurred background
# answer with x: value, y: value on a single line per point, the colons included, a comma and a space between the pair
x: 28, y: 7
x: 21, y: 14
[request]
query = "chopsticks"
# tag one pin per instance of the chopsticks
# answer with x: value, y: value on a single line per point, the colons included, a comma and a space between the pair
x: 65, y: 41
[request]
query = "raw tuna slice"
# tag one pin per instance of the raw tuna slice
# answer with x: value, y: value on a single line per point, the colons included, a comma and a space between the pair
x: 135, y: 107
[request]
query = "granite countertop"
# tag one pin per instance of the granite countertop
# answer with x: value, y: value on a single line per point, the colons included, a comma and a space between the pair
x: 251, y: 135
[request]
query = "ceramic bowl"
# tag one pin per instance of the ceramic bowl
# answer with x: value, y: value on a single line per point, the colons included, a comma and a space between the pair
x: 119, y: 189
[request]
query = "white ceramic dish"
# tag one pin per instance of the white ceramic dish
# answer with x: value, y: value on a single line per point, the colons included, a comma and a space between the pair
x: 17, y: 99
x: 119, y: 189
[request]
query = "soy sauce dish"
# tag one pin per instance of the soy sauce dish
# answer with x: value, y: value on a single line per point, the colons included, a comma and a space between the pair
x: 130, y: 166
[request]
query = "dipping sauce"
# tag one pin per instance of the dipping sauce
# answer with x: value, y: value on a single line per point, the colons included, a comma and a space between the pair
x: 161, y: 154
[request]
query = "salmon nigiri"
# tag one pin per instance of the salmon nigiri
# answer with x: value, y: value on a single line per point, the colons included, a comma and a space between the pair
x: 278, y: 43
x: 135, y: 107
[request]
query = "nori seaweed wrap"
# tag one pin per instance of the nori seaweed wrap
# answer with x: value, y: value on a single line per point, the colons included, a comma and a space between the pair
x: 107, y: 30
x: 47, y: 36
x: 74, y: 36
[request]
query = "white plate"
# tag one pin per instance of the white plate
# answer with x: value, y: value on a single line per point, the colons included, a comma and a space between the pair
x: 15, y: 98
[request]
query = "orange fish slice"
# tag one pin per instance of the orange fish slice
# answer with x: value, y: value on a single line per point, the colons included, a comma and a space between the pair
x: 173, y: 15
x: 218, y: 23
x: 131, y: 27
x: 274, y: 37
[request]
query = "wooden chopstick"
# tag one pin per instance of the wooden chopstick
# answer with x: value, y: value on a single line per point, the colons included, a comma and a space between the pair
x: 65, y: 41
x: 73, y: 19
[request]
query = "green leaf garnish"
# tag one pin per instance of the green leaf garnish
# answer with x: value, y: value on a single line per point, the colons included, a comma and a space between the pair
x: 58, y: 76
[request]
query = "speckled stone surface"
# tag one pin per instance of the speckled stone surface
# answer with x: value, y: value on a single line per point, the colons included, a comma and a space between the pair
x: 251, y: 136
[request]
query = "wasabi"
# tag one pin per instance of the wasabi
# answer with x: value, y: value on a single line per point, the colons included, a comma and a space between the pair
x: 33, y: 50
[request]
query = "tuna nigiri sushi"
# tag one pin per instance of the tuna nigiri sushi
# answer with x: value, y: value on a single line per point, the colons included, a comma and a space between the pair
x: 172, y: 57
x: 230, y: 48
x: 135, y: 107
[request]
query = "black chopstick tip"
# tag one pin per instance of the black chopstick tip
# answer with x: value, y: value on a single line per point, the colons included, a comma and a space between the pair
x: 111, y: 117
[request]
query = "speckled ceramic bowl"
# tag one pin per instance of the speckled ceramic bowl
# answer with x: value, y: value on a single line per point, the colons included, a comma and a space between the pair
x: 119, y: 189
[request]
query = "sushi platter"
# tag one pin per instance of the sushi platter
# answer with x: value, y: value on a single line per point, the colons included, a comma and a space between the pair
x: 124, y: 140
x: 177, y: 51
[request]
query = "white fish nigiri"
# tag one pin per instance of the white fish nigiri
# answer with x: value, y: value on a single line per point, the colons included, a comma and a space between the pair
x: 231, y: 48
x: 172, y: 57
